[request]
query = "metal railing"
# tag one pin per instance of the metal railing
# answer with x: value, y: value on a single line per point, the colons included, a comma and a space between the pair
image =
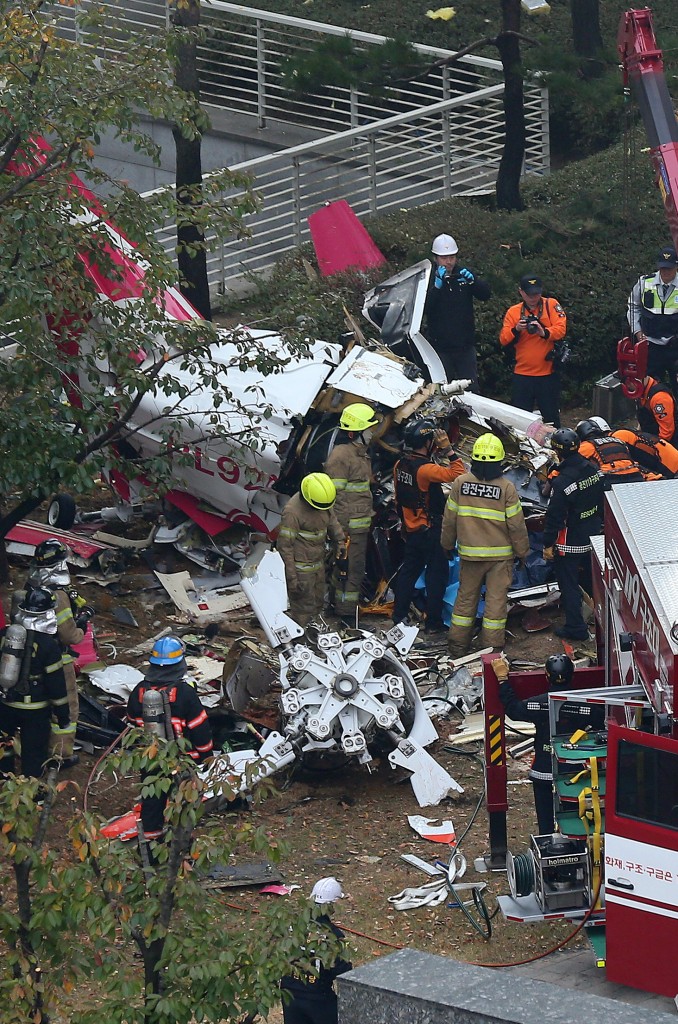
x: 419, y: 141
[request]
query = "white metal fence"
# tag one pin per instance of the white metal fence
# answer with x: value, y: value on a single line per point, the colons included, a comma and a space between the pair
x: 438, y: 136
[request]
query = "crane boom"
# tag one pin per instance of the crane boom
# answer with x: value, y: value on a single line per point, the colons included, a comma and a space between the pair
x: 643, y: 68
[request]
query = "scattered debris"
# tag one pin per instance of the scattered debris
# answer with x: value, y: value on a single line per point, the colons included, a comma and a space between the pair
x: 433, y: 829
x: 199, y: 605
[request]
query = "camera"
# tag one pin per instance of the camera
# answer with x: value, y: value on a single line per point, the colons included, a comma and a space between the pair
x: 532, y: 324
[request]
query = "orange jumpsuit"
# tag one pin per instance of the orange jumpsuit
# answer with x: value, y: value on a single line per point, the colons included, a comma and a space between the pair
x: 657, y: 411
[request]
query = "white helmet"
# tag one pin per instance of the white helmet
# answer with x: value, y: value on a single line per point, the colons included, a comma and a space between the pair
x: 600, y: 422
x: 444, y: 245
x: 327, y: 890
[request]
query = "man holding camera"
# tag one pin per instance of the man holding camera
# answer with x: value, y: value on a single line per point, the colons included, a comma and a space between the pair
x: 534, y: 330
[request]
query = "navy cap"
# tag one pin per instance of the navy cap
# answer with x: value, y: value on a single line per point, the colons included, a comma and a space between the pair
x: 667, y: 257
x: 531, y: 285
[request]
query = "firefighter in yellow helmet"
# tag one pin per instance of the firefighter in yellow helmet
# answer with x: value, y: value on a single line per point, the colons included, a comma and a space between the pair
x: 483, y: 516
x: 349, y: 467
x: 308, y: 522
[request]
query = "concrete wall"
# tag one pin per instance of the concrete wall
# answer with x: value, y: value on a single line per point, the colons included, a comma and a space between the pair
x: 410, y: 987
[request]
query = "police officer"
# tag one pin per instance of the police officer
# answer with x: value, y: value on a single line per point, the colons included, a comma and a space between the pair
x: 559, y: 674
x: 653, y: 314
x: 167, y: 668
x: 420, y: 502
x: 28, y: 706
x: 484, y: 518
x: 308, y: 521
x: 610, y: 454
x: 50, y: 570
x: 449, y: 310
x: 311, y: 998
x: 350, y: 470
x: 573, y: 516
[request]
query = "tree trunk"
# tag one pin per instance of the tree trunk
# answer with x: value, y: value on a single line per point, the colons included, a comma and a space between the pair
x: 192, y: 261
x: 511, y: 164
x: 586, y: 35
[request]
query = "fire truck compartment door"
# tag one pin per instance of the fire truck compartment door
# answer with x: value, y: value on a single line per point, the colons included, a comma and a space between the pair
x: 641, y: 860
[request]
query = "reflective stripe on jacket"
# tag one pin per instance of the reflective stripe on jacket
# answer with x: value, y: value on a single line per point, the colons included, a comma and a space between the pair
x: 350, y: 469
x: 302, y: 536
x: 485, y: 519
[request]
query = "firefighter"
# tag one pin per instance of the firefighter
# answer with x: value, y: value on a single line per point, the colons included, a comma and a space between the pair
x: 613, y: 457
x: 167, y: 668
x: 50, y: 570
x: 656, y: 411
x: 573, y: 516
x: 40, y: 692
x: 653, y: 315
x: 350, y: 470
x: 449, y: 310
x: 308, y: 521
x: 559, y: 674
x: 484, y: 517
x: 420, y: 502
x: 651, y: 452
x: 534, y: 329
x: 311, y: 998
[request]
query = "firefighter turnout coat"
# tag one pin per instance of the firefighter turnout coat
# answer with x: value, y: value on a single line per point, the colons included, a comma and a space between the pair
x: 575, y: 508
x: 485, y: 520
x: 303, y: 533
x: 350, y: 470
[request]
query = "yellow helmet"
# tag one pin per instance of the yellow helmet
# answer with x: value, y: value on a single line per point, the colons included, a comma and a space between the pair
x: 318, y: 490
x: 357, y: 417
x: 488, y: 448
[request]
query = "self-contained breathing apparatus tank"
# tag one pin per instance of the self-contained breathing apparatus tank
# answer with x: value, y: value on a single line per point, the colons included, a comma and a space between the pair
x: 157, y: 714
x: 13, y: 649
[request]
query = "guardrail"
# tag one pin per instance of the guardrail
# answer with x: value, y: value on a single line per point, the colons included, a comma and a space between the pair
x: 438, y: 136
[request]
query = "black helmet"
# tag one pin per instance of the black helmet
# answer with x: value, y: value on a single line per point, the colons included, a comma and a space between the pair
x: 419, y: 433
x: 586, y: 429
x: 559, y: 669
x: 564, y: 442
x: 38, y: 600
x: 50, y: 552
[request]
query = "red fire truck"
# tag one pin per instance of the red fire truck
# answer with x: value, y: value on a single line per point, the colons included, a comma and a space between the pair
x: 614, y: 857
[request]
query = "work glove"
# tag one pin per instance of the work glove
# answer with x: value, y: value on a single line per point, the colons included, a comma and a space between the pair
x: 501, y: 669
x: 441, y: 440
x: 549, y: 553
x: 84, y: 617
x: 466, y: 275
x: 440, y: 277
x: 65, y: 730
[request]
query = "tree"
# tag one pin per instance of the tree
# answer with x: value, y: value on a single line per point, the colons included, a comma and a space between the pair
x: 193, y: 955
x: 513, y: 154
x: 57, y: 259
x: 191, y: 255
x: 587, y: 38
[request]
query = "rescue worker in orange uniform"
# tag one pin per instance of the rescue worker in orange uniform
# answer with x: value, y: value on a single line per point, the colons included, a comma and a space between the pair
x: 656, y: 410
x: 535, y: 327
x: 350, y: 470
x: 484, y: 518
x: 613, y: 457
x: 421, y: 502
x: 653, y: 453
x: 307, y: 522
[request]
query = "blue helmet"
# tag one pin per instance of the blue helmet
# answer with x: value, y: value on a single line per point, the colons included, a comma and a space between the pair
x: 167, y: 651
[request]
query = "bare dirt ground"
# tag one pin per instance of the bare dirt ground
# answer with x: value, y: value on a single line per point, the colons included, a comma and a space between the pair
x: 348, y: 822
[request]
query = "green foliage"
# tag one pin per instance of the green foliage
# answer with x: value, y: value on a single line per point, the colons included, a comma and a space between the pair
x: 339, y: 61
x: 114, y: 353
x: 196, y: 959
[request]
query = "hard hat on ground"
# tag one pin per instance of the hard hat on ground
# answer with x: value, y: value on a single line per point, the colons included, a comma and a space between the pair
x: 50, y: 552
x: 564, y: 441
x: 357, y: 417
x: 38, y: 601
x: 444, y: 245
x: 488, y: 448
x: 560, y: 670
x: 419, y: 433
x: 167, y: 651
x: 318, y: 490
x: 327, y: 890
